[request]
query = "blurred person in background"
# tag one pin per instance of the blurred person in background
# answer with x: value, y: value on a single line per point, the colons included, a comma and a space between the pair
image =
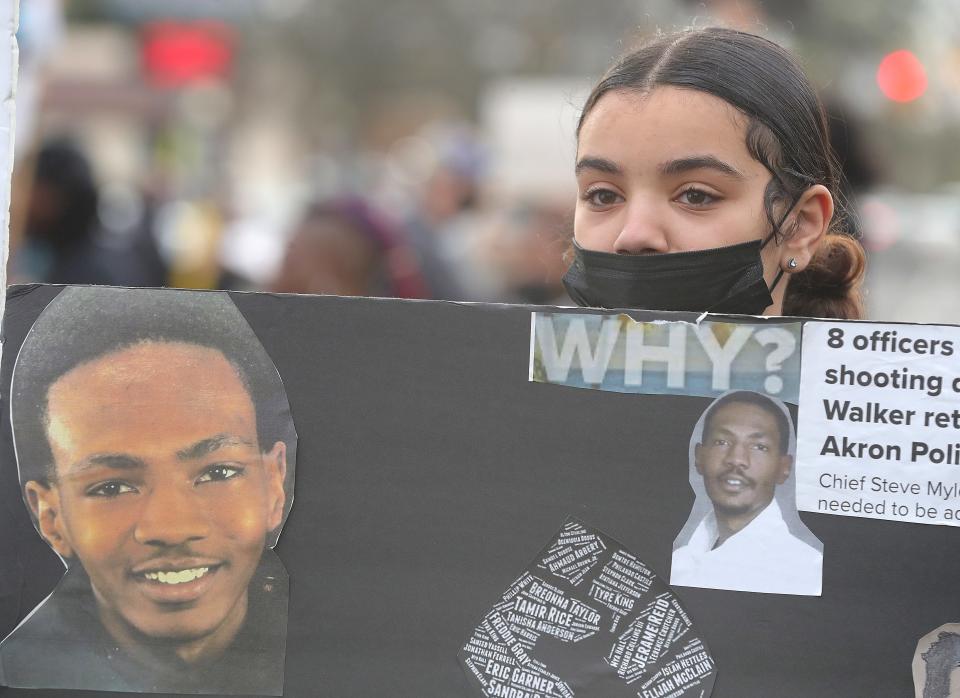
x: 345, y: 247
x: 442, y: 224
x: 63, y: 241
x: 528, y: 251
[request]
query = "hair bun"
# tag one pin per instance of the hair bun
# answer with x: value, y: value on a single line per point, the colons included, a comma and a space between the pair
x: 830, y: 284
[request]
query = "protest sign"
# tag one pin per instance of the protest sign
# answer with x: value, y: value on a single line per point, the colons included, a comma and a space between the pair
x: 432, y: 475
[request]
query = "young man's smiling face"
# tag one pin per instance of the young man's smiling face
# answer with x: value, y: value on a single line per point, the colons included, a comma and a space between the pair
x: 161, y: 491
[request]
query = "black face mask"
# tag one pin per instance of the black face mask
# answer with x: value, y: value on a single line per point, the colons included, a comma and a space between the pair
x: 720, y: 280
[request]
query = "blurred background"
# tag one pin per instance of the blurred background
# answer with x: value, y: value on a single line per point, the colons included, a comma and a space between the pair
x: 424, y: 148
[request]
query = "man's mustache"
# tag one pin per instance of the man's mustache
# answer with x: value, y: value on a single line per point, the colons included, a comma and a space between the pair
x: 738, y: 473
x: 177, y: 556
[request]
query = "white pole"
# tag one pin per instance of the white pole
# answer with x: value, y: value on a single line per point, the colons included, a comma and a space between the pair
x: 9, y: 16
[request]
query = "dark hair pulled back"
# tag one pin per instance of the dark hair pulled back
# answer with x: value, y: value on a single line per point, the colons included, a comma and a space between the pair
x: 786, y: 132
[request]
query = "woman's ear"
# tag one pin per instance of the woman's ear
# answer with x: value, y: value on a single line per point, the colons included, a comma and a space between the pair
x: 808, y: 223
x: 44, y: 503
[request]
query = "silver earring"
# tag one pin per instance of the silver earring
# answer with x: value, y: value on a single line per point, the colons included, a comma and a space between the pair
x: 792, y: 264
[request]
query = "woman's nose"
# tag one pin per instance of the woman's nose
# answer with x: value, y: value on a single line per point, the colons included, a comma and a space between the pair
x: 643, y: 230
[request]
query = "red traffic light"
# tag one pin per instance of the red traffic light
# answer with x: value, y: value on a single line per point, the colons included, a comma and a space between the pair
x: 901, y: 76
x: 178, y: 53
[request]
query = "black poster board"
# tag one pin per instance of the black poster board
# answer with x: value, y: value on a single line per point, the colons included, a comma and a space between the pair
x: 431, y: 472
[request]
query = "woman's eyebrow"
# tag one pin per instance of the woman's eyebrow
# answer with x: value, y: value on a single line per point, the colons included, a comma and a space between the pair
x: 600, y: 164
x: 698, y: 162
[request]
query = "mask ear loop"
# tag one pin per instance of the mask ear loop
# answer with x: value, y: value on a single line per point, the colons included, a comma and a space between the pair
x: 776, y: 280
x: 780, y: 272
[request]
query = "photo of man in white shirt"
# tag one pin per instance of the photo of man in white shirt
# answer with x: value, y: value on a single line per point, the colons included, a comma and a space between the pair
x: 746, y: 535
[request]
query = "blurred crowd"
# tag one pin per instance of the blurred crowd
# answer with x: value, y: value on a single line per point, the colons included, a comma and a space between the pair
x: 170, y: 145
x: 442, y: 244
x: 444, y: 234
x: 416, y: 150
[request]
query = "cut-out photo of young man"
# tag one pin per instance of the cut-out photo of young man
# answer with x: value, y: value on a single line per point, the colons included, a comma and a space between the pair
x: 155, y: 451
x: 744, y: 533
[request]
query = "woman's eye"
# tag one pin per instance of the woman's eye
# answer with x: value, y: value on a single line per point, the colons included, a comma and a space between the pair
x: 113, y: 488
x: 220, y: 472
x: 696, y: 197
x: 602, y: 198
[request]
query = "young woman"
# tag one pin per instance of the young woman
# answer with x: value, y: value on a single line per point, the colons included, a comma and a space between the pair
x: 706, y: 182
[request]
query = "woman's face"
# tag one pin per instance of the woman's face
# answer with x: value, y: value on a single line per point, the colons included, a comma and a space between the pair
x: 668, y: 171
